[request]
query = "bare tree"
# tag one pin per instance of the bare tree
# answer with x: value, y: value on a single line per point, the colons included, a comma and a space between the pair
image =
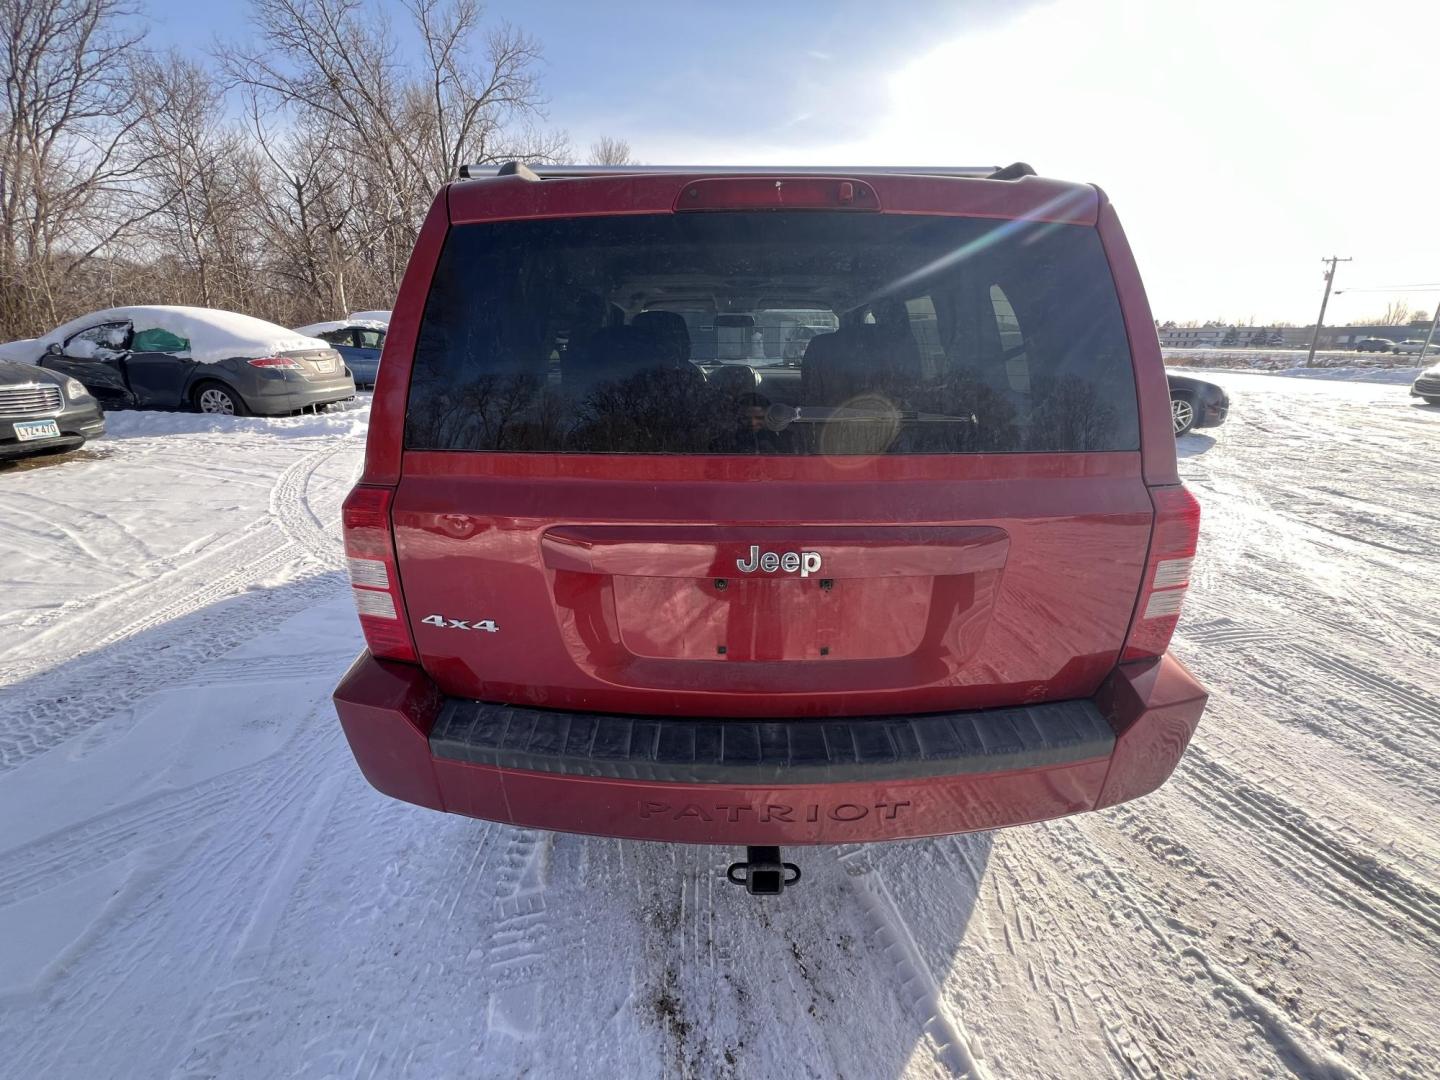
x: 126, y: 177
x: 310, y: 209
x: 199, y: 180
x: 70, y: 171
x: 610, y: 151
x: 1396, y: 313
x: 404, y: 131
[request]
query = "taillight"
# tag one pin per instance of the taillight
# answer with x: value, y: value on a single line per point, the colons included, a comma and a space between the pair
x: 374, y: 579
x: 1167, y: 573
x: 272, y: 361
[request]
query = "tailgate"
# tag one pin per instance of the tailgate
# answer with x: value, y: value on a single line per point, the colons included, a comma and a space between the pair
x: 615, y: 608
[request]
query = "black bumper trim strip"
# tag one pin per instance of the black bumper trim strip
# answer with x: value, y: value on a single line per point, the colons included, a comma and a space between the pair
x: 706, y: 751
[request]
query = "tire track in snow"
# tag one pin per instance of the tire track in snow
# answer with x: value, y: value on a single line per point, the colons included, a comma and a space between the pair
x: 48, y: 863
x: 1314, y: 855
x: 241, y: 1008
x: 1291, y: 1042
x: 48, y: 708
x: 259, y: 933
x: 99, y: 537
x: 290, y: 506
x: 1411, y: 699
x: 1350, y: 812
x: 1398, y: 740
x: 205, y: 911
x: 1121, y: 1018
x: 94, y: 608
x: 916, y: 984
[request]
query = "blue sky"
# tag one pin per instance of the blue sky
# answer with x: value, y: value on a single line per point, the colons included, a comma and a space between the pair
x: 745, y: 67
x: 1240, y: 141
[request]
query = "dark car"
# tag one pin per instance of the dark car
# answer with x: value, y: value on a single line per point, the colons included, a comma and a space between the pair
x: 177, y: 357
x: 1375, y: 344
x: 43, y: 412
x: 358, y: 341
x: 1196, y: 403
x: 922, y: 582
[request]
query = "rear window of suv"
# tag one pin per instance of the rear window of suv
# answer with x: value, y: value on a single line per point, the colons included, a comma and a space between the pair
x: 796, y: 332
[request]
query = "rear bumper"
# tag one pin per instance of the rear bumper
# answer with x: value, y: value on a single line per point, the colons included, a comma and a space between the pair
x: 767, y: 782
x: 364, y: 371
x: 288, y: 395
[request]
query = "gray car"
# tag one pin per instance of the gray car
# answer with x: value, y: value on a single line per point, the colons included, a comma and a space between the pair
x: 43, y: 412
x: 177, y: 357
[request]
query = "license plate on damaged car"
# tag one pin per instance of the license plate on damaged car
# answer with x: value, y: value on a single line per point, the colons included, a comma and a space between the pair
x: 37, y: 429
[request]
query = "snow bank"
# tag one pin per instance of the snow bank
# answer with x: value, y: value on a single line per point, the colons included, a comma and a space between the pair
x: 1403, y: 376
x: 1333, y: 364
x: 344, y: 418
x: 213, y: 334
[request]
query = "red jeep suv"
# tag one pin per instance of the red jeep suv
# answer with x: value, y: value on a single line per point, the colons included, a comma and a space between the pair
x: 762, y: 506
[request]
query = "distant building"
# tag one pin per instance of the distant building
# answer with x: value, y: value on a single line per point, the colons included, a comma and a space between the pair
x: 1228, y: 337
x: 1286, y: 337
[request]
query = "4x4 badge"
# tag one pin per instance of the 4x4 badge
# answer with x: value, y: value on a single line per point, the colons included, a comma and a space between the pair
x: 790, y: 562
x: 488, y: 625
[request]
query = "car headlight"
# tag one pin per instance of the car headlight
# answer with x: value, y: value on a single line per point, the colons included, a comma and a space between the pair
x: 75, y: 389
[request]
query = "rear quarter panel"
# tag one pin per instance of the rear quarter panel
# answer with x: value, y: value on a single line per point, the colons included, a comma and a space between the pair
x: 1157, y: 433
x: 384, y: 445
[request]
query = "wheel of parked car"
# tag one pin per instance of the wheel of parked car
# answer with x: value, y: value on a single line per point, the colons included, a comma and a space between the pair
x: 214, y: 397
x: 1182, y: 412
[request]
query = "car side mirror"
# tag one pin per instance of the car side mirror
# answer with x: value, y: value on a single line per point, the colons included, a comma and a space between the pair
x: 53, y: 349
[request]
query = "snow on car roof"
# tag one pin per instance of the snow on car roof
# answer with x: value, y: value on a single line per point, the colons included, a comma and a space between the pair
x: 374, y: 316
x: 352, y: 323
x: 213, y: 334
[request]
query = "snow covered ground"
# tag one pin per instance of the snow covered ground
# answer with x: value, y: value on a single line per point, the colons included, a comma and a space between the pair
x: 1332, y: 364
x: 196, y: 882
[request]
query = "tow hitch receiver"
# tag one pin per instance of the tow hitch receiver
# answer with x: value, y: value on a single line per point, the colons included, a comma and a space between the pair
x: 762, y: 873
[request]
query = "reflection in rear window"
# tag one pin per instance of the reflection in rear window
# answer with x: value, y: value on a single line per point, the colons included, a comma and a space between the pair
x: 772, y: 333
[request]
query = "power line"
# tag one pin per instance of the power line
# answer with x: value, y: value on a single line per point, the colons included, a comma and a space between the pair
x: 1329, y: 281
x: 1431, y: 287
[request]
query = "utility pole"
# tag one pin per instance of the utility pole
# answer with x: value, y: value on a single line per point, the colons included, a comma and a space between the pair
x: 1430, y: 336
x: 1329, y: 281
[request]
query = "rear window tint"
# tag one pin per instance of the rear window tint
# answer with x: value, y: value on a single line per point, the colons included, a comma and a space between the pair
x: 772, y: 333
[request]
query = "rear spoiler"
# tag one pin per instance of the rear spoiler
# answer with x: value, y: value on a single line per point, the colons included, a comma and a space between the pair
x: 557, y: 172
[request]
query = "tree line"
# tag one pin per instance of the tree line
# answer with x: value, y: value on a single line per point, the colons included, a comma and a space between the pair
x: 286, y: 178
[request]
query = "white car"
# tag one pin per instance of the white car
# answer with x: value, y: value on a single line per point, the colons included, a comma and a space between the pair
x: 1411, y: 346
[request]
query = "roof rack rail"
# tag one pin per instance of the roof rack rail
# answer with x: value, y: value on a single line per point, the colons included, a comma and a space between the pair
x: 552, y: 172
x: 1013, y: 171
